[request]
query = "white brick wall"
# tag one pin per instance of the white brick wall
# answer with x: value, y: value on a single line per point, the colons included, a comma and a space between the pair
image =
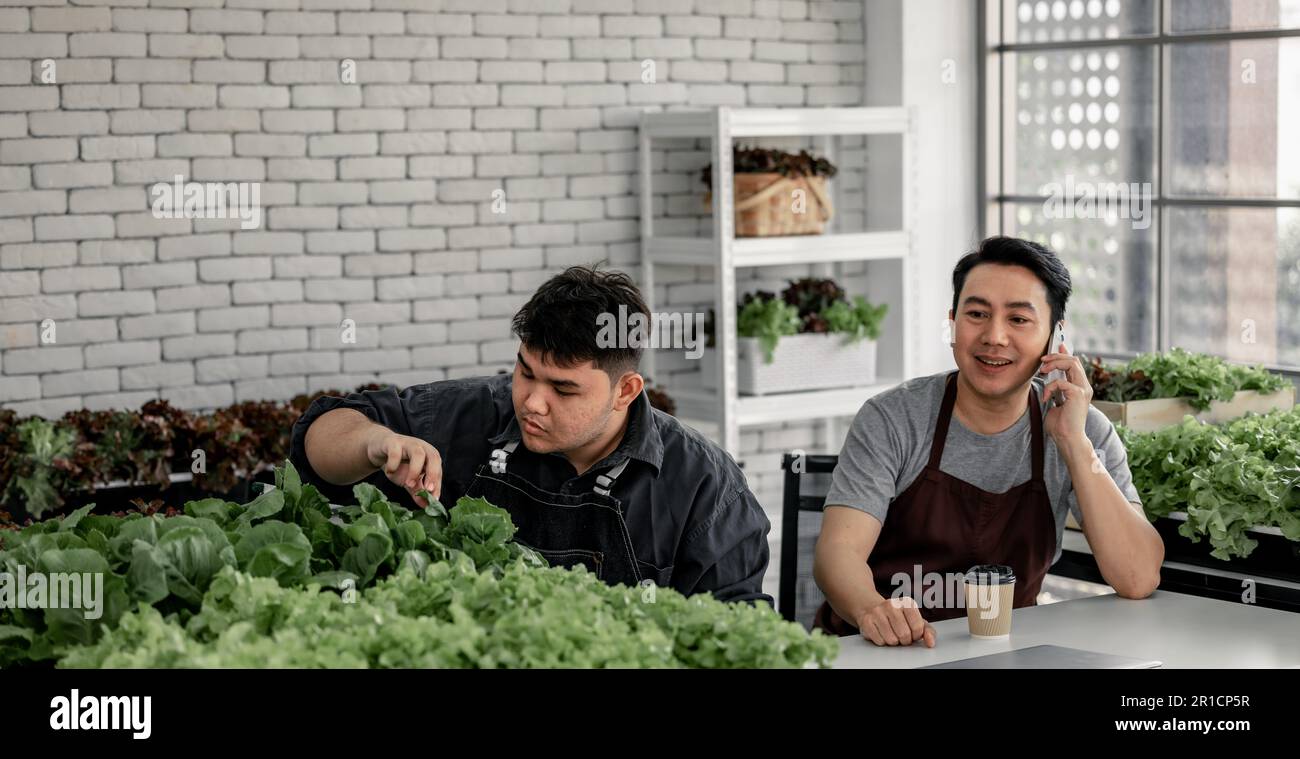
x: 378, y: 195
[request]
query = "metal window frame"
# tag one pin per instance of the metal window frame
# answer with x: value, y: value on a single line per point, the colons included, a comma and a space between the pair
x: 990, y: 134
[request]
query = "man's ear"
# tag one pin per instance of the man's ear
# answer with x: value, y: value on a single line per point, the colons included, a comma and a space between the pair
x: 628, y: 388
x: 952, y: 328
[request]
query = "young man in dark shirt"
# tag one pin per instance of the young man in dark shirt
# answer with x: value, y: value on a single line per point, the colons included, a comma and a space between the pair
x: 591, y: 474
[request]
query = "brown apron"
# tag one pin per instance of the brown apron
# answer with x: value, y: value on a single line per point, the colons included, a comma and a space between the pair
x: 947, y: 525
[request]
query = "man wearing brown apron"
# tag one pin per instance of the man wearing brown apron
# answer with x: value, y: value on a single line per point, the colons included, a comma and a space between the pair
x: 954, y: 470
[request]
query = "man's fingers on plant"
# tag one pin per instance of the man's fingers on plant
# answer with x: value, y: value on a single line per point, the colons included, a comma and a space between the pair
x: 433, y: 473
x: 394, y: 450
x: 415, y: 456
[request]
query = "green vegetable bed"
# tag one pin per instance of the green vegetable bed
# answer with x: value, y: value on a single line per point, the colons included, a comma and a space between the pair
x: 288, y: 581
x: 1199, y: 378
x: 1227, y: 478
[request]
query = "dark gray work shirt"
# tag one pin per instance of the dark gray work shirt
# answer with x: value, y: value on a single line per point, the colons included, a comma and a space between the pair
x: 688, y: 509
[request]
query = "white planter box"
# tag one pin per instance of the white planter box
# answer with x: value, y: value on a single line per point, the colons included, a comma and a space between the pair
x: 800, y: 362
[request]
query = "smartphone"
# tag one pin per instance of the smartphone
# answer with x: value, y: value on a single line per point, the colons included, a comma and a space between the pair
x: 1054, y: 347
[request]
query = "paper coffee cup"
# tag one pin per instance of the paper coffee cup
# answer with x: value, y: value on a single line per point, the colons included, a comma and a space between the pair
x: 990, y: 594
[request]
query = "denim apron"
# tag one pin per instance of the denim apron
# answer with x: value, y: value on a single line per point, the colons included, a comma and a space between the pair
x: 583, y: 529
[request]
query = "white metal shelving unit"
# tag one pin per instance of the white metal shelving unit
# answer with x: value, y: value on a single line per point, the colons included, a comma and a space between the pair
x: 721, y: 413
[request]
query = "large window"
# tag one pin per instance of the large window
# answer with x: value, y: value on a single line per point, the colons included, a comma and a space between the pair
x: 1154, y: 144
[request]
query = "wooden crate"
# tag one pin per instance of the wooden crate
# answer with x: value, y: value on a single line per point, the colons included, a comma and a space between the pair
x: 1158, y: 413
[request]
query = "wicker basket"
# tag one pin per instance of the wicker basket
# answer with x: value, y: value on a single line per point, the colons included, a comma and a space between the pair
x: 765, y: 205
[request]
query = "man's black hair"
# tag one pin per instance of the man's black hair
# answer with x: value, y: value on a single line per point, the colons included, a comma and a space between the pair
x: 1012, y: 250
x: 561, y: 320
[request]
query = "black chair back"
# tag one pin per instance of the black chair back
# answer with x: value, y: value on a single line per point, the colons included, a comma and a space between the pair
x: 807, y: 481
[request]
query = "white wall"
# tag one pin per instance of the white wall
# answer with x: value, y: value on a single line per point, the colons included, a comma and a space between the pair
x: 378, y: 193
x: 935, y: 32
x: 922, y: 54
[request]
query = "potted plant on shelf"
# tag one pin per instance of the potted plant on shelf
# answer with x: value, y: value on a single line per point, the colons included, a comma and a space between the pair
x: 778, y: 193
x: 811, y: 337
x: 1156, y: 390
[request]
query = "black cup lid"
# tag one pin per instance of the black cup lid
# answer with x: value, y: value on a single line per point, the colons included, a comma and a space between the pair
x: 990, y: 574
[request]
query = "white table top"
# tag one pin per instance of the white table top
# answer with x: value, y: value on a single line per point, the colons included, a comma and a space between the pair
x: 1180, y: 630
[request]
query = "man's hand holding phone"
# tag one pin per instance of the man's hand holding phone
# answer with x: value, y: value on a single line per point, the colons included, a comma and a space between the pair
x: 1067, y: 384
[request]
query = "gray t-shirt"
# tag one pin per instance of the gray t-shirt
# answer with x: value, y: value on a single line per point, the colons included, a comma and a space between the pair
x: 888, y: 447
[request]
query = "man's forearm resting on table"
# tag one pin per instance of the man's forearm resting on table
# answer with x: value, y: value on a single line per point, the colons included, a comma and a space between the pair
x: 845, y: 578
x: 336, y: 443
x: 1127, y: 548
